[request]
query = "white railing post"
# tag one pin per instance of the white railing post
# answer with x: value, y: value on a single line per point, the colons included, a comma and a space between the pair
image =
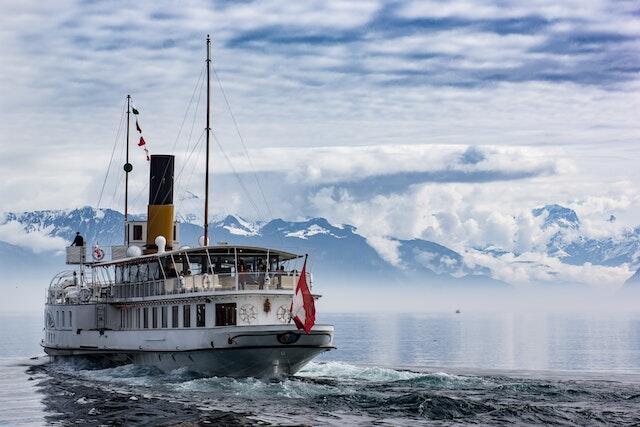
x: 235, y: 254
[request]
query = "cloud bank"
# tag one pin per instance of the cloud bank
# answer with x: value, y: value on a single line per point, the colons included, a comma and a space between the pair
x: 448, y: 121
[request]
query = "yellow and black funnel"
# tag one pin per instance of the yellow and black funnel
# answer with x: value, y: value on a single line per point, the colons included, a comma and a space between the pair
x: 160, y: 212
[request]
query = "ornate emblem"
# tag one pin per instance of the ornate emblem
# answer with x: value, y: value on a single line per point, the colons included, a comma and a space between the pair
x: 247, y: 313
x: 283, y: 314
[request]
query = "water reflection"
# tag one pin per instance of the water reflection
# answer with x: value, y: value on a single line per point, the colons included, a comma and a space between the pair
x: 522, y: 341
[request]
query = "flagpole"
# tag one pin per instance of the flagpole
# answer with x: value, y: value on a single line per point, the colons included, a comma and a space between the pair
x: 127, y: 169
x: 208, y: 130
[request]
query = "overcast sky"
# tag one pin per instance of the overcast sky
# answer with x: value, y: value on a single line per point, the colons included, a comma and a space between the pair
x: 442, y: 120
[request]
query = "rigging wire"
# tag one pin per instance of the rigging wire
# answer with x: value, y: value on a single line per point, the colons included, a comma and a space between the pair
x: 200, y: 83
x: 246, y: 152
x: 177, y: 180
x: 186, y: 113
x: 237, y: 175
x: 195, y: 115
x: 115, y: 144
x: 119, y: 181
x: 244, y: 147
x: 140, y: 193
x: 183, y: 182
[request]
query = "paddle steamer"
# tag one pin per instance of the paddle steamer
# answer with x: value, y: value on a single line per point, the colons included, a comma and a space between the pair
x: 223, y: 310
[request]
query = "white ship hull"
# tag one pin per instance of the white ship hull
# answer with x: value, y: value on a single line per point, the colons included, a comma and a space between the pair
x: 262, y: 362
x: 237, y: 351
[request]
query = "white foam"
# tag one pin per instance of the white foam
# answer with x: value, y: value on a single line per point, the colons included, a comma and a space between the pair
x: 342, y: 370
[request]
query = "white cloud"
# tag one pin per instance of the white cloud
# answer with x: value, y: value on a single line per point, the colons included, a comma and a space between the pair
x: 37, y: 240
x: 387, y: 248
x: 535, y: 267
x: 332, y: 164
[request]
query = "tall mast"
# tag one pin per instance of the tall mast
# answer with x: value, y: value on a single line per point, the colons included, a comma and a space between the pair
x: 127, y: 168
x: 208, y: 130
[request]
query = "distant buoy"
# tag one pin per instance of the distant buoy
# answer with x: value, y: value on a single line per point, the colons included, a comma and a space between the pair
x: 458, y: 311
x: 161, y: 243
x: 184, y: 247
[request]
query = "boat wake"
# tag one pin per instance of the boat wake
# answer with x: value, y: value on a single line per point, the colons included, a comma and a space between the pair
x: 325, y: 393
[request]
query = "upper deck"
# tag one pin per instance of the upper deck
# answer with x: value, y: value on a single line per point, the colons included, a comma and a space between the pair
x: 221, y: 268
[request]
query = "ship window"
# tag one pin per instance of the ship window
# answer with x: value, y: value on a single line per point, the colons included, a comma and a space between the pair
x: 70, y: 317
x: 186, y: 316
x: 57, y: 318
x: 63, y: 318
x: 137, y: 232
x: 200, y: 315
x: 165, y: 315
x: 154, y: 317
x: 138, y: 318
x: 145, y: 314
x: 174, y: 316
x: 226, y: 314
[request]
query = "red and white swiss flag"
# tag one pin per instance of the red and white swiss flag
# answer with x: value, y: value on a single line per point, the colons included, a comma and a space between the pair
x: 303, y: 309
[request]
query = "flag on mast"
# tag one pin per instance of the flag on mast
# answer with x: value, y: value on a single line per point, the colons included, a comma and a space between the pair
x: 142, y: 142
x: 303, y: 309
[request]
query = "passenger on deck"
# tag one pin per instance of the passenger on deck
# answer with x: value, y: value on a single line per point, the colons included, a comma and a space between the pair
x: 242, y: 279
x: 262, y: 269
x: 78, y: 241
x: 279, y: 273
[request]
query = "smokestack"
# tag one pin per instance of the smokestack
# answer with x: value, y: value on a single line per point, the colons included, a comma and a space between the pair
x: 160, y: 211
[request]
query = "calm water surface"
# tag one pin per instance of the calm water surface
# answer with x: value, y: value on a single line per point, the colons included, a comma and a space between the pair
x: 390, y: 369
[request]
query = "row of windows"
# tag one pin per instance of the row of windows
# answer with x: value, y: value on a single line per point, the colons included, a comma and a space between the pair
x: 67, y: 320
x: 158, y: 317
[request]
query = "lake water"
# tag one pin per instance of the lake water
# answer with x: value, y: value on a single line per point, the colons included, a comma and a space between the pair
x: 388, y: 369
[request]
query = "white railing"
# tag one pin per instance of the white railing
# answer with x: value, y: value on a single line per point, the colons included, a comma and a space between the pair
x: 235, y: 282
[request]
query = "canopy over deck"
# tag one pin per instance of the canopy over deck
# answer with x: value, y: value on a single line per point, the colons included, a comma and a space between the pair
x: 240, y: 250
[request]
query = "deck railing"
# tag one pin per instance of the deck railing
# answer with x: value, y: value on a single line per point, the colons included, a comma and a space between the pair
x: 236, y: 282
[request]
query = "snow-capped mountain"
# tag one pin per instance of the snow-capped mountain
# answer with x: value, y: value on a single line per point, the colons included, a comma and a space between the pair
x: 574, y: 248
x: 104, y: 226
x: 558, y: 215
x: 336, y: 251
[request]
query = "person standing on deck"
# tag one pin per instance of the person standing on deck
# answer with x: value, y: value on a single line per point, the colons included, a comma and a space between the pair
x: 78, y: 241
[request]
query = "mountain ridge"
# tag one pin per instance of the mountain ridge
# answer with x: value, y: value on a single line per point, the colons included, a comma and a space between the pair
x: 338, y: 250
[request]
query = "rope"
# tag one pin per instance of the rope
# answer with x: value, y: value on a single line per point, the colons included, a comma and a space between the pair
x: 201, y: 84
x: 173, y: 149
x: 193, y: 169
x: 195, y: 115
x: 140, y: 193
x: 115, y: 144
x: 178, y: 177
x: 119, y: 181
x: 237, y: 175
x: 244, y: 147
